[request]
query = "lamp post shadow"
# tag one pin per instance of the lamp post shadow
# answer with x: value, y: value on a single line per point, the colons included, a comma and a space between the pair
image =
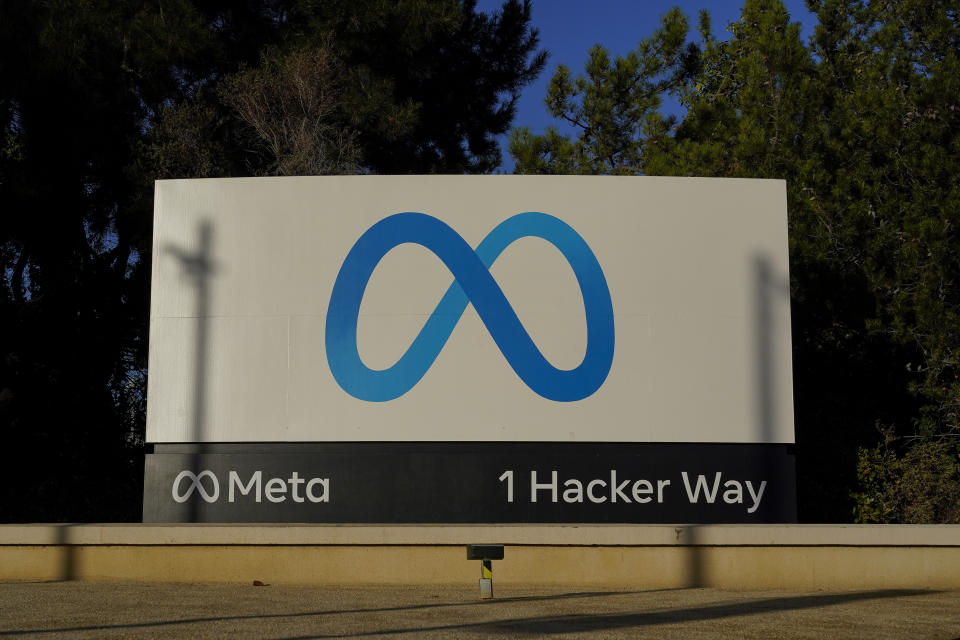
x: 198, y: 267
x: 68, y: 559
x: 695, y: 560
x: 768, y: 290
x: 771, y: 292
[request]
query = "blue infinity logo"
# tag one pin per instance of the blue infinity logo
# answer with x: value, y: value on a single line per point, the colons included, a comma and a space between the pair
x: 472, y: 284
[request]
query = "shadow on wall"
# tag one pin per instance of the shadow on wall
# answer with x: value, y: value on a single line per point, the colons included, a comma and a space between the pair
x: 771, y: 296
x: 68, y: 558
x: 770, y: 293
x: 695, y: 555
x: 198, y: 268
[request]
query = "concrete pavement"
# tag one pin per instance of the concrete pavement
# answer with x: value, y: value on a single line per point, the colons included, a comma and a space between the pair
x: 77, y: 609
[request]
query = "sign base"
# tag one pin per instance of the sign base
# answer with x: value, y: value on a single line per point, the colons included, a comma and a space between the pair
x: 470, y: 482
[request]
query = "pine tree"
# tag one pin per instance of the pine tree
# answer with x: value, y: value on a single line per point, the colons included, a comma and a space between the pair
x: 864, y: 125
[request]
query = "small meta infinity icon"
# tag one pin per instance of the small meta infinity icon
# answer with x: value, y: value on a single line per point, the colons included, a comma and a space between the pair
x: 195, y: 485
x: 473, y: 284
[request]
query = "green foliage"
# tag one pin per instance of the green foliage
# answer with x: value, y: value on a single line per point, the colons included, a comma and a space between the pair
x: 863, y: 122
x: 184, y: 143
x: 457, y: 71
x: 878, y: 474
x: 395, y: 87
x: 921, y: 486
x: 614, y: 106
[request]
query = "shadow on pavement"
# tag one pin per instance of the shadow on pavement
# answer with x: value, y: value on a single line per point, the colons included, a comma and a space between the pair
x: 329, y: 612
x: 568, y: 623
x: 575, y: 623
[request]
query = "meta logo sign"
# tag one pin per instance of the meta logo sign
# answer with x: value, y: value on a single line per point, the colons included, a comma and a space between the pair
x: 469, y: 309
x: 276, y: 490
x: 473, y: 284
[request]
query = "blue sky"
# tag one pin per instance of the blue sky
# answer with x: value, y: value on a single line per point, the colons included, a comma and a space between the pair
x: 568, y: 28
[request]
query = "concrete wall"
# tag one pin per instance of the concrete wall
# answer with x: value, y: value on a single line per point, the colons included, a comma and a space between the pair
x: 646, y: 557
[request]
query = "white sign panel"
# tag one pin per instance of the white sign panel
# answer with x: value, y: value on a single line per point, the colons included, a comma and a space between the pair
x: 470, y: 308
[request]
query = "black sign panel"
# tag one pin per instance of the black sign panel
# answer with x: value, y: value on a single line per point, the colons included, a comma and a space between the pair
x: 471, y: 483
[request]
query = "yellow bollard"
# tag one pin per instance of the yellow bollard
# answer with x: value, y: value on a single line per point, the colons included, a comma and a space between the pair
x: 486, y: 554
